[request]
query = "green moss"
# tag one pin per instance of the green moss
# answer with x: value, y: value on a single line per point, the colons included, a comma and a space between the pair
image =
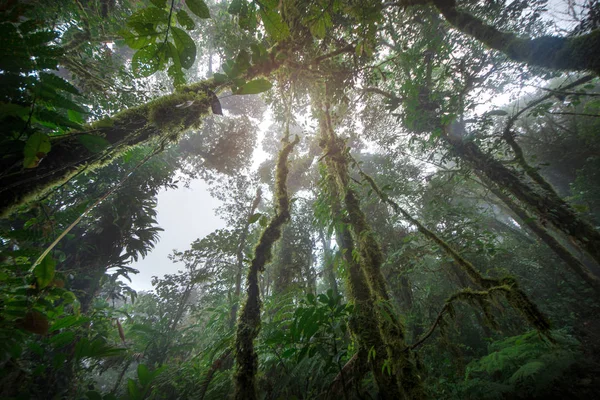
x: 248, y: 326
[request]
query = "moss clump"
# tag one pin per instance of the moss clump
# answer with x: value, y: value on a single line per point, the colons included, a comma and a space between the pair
x: 178, y: 112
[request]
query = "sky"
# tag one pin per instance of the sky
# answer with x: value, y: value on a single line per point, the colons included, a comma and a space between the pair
x: 185, y: 214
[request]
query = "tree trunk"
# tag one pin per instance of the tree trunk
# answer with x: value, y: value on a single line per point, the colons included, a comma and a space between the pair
x: 542, y: 233
x: 574, y: 53
x: 547, y: 208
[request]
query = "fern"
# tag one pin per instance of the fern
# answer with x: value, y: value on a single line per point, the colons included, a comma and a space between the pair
x: 524, y: 366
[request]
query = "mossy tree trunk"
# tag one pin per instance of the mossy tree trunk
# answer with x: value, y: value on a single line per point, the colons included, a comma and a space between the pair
x: 547, y: 207
x: 398, y: 363
x: 239, y: 254
x: 248, y: 325
x: 574, y: 53
x: 364, y: 324
x: 542, y: 233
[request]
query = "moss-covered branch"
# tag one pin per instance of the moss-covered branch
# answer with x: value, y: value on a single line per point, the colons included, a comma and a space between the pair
x: 165, y: 119
x: 574, y: 53
x: 514, y: 295
x: 248, y: 325
x: 542, y: 233
x: 547, y: 208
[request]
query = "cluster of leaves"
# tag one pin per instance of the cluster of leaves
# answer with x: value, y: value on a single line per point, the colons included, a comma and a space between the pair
x: 36, y: 103
x: 152, y: 32
x: 524, y: 366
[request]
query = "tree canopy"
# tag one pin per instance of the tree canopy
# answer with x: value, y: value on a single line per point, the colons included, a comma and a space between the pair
x: 410, y: 191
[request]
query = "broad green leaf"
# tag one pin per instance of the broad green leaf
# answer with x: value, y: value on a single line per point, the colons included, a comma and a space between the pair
x: 146, y: 61
x: 255, y: 86
x: 144, y: 375
x: 75, y: 117
x: 198, y: 7
x: 93, y: 143
x: 254, y: 217
x: 185, y: 46
x: 318, y: 28
x: 276, y: 28
x: 175, y: 71
x: 36, y: 148
x: 44, y: 271
x: 57, y: 82
x: 235, y: 7
x: 136, y: 41
x: 184, y: 20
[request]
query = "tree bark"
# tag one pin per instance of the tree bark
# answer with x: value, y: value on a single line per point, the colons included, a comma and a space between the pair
x: 542, y: 233
x: 574, y: 53
x: 548, y: 208
x: 162, y: 120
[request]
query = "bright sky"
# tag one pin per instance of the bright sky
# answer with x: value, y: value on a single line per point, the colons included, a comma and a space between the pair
x: 185, y: 214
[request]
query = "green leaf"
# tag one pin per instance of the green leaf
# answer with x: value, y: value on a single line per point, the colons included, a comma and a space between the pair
x: 220, y: 78
x: 199, y: 8
x: 318, y: 28
x: 68, y: 321
x: 159, y: 3
x: 150, y: 15
x: 185, y: 46
x: 136, y: 41
x: 44, y: 271
x: 263, y: 221
x: 146, y: 61
x: 254, y: 218
x: 185, y: 20
x: 93, y: 143
x: 36, y: 148
x: 276, y: 28
x: 13, y: 110
x: 288, y: 353
x: 235, y: 7
x: 255, y: 86
x: 75, y: 117
x: 58, y: 83
x: 132, y: 390
x: 62, y: 102
x: 62, y: 339
x: 144, y: 375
